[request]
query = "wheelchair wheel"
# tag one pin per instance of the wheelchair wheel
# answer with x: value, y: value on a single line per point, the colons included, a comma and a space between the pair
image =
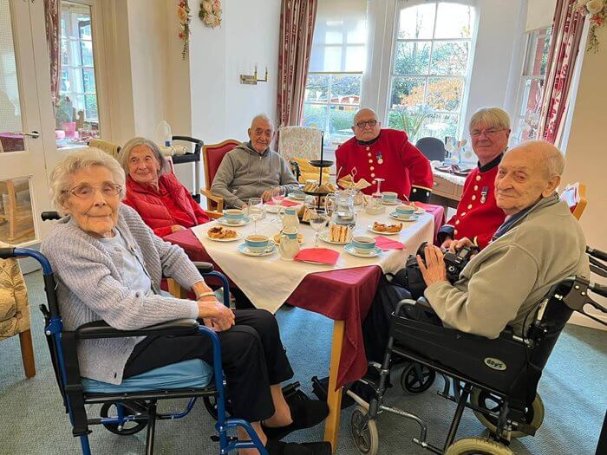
x: 477, y: 446
x: 483, y: 399
x: 416, y: 378
x: 210, y: 403
x: 364, y: 432
x: 131, y: 408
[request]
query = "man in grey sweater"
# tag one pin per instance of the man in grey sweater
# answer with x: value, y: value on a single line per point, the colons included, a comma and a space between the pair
x: 252, y: 169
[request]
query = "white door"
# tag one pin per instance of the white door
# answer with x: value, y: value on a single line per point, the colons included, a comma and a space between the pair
x: 26, y: 132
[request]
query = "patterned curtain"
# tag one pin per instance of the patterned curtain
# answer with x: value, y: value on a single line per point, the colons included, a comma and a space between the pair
x: 53, y: 39
x: 567, y: 28
x: 297, y: 19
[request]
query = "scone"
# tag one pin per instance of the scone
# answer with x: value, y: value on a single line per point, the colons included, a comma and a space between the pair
x: 391, y: 228
x: 219, y: 232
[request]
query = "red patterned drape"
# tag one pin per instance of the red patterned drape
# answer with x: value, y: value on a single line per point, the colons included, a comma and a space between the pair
x: 297, y: 18
x: 53, y: 39
x: 567, y: 29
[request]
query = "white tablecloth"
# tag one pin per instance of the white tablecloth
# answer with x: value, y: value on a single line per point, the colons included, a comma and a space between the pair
x: 268, y: 281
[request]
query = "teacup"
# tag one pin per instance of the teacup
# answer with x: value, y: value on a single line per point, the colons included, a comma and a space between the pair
x: 405, y: 211
x: 363, y: 244
x: 233, y: 216
x: 389, y: 196
x: 257, y: 243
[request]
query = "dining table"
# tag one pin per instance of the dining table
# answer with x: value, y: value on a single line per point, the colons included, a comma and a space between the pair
x: 342, y: 291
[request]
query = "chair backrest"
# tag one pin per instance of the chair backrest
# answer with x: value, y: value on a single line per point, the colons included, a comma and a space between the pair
x: 107, y: 147
x: 212, y: 156
x: 574, y: 195
x: 300, y: 142
x: 432, y: 148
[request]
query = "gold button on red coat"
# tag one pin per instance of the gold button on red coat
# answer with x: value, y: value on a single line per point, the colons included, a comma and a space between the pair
x: 474, y: 197
x: 475, y: 187
x: 455, y: 231
x: 373, y: 175
x: 478, y: 177
x: 469, y: 206
x: 456, y: 221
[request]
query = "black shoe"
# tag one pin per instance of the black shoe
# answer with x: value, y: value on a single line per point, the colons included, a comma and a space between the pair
x: 305, y: 414
x: 364, y: 391
x: 275, y: 447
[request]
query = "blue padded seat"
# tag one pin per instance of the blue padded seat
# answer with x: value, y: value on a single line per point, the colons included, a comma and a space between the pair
x: 189, y: 374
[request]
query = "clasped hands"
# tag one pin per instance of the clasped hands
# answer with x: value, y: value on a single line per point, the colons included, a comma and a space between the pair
x: 214, y: 314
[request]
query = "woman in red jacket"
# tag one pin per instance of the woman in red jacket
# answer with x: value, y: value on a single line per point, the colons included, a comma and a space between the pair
x: 153, y: 190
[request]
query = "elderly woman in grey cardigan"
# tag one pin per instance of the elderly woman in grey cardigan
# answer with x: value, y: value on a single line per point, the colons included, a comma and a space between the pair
x: 109, y: 265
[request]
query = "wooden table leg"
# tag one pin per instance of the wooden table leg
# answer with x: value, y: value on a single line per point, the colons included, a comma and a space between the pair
x: 27, y: 353
x: 334, y: 396
x: 176, y: 290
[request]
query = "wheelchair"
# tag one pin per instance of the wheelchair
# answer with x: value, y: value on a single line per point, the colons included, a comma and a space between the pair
x: 497, y: 379
x: 131, y: 406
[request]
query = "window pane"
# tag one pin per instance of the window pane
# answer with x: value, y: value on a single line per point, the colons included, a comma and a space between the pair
x: 439, y: 125
x: 76, y: 108
x: 317, y: 88
x: 537, y: 53
x: 412, y: 57
x: 408, y: 91
x: 417, y: 22
x: 345, y: 89
x: 445, y: 94
x: 454, y: 21
x: 450, y: 58
x: 356, y: 57
x: 332, y: 59
x: 530, y: 109
x: 340, y: 120
x: 315, y: 116
x: 408, y: 119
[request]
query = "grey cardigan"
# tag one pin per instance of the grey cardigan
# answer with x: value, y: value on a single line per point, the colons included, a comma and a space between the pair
x: 90, y: 287
x: 244, y: 173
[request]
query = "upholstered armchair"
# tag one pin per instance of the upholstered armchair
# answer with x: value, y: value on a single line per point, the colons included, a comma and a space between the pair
x: 14, y: 311
x: 212, y: 155
x: 298, y: 145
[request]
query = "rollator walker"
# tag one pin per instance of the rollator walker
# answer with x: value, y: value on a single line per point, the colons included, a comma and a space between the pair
x: 497, y: 378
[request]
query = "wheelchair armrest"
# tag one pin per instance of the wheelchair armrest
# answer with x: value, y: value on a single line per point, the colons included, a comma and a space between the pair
x: 100, y: 329
x: 203, y: 267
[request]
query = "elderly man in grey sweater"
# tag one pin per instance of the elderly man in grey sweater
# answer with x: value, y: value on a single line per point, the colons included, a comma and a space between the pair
x: 252, y: 169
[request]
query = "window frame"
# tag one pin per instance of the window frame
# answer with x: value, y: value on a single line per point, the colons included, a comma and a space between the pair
x: 465, y: 78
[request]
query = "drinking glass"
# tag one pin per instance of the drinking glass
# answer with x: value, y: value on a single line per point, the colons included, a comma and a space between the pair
x: 330, y: 204
x: 278, y: 195
x: 378, y: 190
x: 318, y: 219
x: 255, y: 211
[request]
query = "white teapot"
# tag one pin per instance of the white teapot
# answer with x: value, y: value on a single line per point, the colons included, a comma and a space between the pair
x: 289, y: 245
x: 288, y: 216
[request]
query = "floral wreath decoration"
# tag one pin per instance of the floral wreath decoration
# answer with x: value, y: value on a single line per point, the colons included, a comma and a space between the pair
x: 183, y: 14
x: 210, y: 13
x: 597, y: 10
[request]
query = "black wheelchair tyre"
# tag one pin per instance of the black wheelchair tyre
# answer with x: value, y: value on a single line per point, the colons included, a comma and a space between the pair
x: 534, y: 415
x: 364, y: 432
x: 416, y: 378
x: 131, y: 408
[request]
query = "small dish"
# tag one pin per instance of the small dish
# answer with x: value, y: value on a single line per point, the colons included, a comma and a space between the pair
x: 231, y: 239
x: 349, y: 248
x: 413, y: 217
x: 224, y: 222
x: 268, y: 251
x: 396, y: 202
x: 383, y: 232
x: 323, y: 236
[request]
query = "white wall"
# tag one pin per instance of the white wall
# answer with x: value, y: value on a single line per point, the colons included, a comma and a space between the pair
x: 222, y: 107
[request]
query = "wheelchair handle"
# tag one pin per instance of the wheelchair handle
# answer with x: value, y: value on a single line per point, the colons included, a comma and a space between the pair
x: 596, y: 253
x: 7, y: 253
x: 599, y: 289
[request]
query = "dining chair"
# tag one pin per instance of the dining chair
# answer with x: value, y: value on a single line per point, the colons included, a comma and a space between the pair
x: 432, y: 148
x: 18, y: 216
x: 212, y: 156
x: 298, y: 145
x: 574, y: 195
x: 105, y: 146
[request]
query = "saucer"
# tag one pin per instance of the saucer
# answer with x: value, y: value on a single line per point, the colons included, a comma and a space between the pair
x: 245, y: 250
x: 297, y: 197
x: 396, y: 202
x: 413, y: 217
x: 224, y: 222
x: 349, y: 248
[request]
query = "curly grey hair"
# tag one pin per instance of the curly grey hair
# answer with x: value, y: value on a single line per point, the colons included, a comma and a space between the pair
x: 61, y: 176
x: 126, y: 150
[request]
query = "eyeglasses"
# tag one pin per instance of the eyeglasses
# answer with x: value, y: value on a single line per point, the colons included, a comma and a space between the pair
x: 108, y: 190
x: 486, y: 132
x: 370, y: 123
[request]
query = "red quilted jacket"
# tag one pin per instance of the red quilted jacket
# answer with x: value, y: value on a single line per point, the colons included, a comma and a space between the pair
x: 172, y: 204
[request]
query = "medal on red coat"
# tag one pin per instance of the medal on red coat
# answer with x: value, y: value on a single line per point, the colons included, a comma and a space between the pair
x: 484, y: 193
x: 379, y: 157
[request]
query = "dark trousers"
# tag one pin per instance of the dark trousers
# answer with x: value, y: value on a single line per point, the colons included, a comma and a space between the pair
x: 252, y: 354
x: 376, y: 326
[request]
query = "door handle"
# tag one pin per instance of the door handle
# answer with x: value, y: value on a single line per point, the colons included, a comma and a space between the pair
x: 33, y: 134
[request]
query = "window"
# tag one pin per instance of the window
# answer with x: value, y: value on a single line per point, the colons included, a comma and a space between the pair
x: 430, y: 69
x: 531, y: 89
x: 77, y: 110
x: 332, y: 94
